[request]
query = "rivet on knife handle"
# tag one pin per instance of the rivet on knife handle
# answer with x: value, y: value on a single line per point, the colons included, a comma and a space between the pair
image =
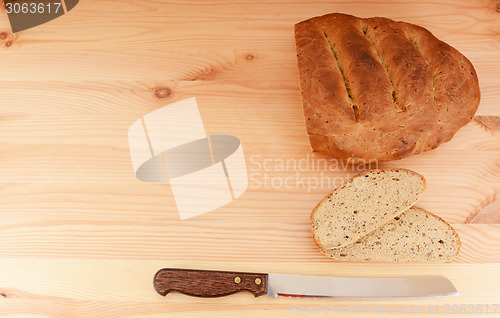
x: 203, y: 283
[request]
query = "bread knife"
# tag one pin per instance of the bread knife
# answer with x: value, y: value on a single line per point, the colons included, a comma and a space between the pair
x: 207, y: 283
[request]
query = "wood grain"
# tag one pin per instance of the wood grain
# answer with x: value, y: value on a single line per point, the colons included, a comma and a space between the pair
x: 82, y: 237
x: 50, y: 288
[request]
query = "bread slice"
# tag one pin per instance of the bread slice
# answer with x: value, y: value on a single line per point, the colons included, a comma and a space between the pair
x: 414, y: 236
x: 363, y: 204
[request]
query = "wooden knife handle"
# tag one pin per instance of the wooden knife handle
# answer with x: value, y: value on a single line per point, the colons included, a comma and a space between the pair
x: 204, y: 283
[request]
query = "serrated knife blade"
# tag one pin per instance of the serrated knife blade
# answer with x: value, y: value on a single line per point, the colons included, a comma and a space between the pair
x: 360, y: 288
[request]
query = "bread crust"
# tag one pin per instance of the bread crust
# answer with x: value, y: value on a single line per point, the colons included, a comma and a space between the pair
x: 378, y: 89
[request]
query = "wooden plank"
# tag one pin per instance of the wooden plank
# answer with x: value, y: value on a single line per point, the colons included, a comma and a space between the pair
x: 113, y: 288
x: 262, y: 86
x: 43, y: 201
x: 95, y: 148
x: 133, y: 236
x: 179, y: 23
x: 162, y: 45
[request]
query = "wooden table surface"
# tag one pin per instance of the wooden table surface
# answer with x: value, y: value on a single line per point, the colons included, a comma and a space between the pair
x: 80, y: 236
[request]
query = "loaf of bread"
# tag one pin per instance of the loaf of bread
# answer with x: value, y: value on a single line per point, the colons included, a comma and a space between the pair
x: 363, y: 204
x: 414, y: 236
x: 378, y: 89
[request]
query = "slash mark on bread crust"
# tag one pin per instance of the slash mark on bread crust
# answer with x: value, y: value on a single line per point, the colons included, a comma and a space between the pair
x: 382, y: 61
x: 415, y: 44
x: 346, y: 83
